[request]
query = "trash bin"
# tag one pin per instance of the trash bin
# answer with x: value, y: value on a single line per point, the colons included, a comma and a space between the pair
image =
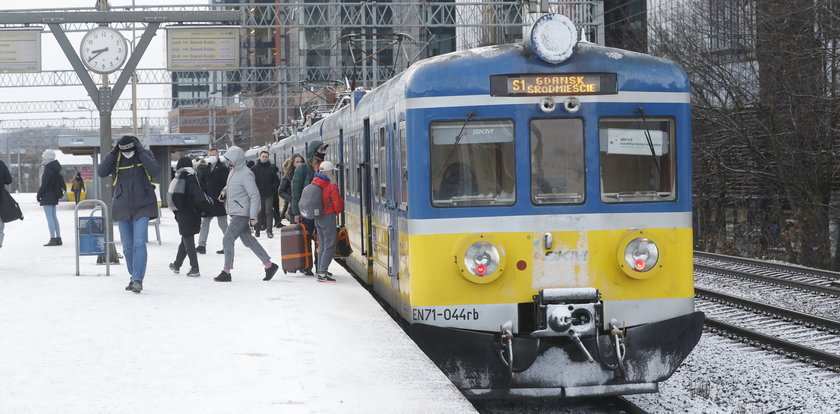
x: 91, y: 236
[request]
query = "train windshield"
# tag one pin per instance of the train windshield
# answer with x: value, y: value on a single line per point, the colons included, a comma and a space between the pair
x: 557, y: 161
x: 637, y: 159
x: 472, y: 163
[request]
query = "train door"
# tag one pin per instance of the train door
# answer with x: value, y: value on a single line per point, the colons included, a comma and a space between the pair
x: 366, y: 192
x: 342, y: 185
x: 391, y: 163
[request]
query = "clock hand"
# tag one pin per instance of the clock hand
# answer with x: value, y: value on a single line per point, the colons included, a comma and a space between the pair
x: 97, y: 52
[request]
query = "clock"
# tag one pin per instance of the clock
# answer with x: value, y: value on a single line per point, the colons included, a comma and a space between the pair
x: 103, y: 50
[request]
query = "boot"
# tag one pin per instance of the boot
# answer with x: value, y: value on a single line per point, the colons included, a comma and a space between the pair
x: 52, y: 242
x: 58, y: 241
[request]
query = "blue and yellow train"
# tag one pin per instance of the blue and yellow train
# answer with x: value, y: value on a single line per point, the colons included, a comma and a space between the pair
x: 526, y: 210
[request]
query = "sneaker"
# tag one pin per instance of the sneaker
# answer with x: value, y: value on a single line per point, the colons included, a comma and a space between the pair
x: 325, y: 278
x: 269, y: 273
x: 269, y: 234
x: 220, y: 252
x: 308, y: 272
x: 201, y: 250
x: 173, y: 268
x: 193, y: 273
x: 222, y: 277
x: 136, y: 286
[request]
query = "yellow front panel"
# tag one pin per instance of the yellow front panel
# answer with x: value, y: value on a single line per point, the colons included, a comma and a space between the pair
x: 576, y: 259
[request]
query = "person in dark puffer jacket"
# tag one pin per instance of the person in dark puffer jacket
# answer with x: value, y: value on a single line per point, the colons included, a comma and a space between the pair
x: 188, y: 218
x: 134, y: 203
x: 50, y: 191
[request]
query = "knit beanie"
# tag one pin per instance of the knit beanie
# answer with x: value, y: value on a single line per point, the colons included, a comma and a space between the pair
x: 48, y: 155
x: 126, y: 143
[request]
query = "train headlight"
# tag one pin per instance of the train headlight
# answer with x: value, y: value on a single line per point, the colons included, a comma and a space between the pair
x: 639, y: 256
x: 552, y: 38
x: 480, y: 258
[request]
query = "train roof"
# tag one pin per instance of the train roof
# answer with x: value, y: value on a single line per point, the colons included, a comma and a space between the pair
x: 468, y: 72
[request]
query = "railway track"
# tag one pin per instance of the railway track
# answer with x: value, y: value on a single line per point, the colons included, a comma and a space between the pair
x: 602, y: 405
x: 803, y: 334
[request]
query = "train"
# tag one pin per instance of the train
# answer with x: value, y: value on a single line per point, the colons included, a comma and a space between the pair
x: 525, y: 209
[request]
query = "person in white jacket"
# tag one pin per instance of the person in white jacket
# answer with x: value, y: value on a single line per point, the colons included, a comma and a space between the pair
x: 242, y: 202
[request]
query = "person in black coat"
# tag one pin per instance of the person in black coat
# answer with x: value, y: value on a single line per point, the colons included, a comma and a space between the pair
x: 268, y: 180
x: 135, y: 201
x: 181, y: 192
x: 5, y: 179
x: 51, y: 190
x: 213, y: 178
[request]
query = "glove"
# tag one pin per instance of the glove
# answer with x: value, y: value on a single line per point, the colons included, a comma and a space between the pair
x: 116, y: 149
x: 138, y: 146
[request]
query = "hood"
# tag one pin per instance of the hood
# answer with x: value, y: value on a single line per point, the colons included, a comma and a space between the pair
x: 188, y: 170
x: 236, y: 155
x: 311, y: 147
x: 321, y: 180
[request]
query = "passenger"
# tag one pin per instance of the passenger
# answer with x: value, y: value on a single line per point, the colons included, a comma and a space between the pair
x: 134, y: 203
x: 5, y: 179
x: 325, y: 224
x: 267, y: 178
x: 315, y: 152
x: 181, y: 191
x: 458, y: 180
x: 213, y: 178
x: 78, y: 186
x: 285, y: 190
x: 51, y: 190
x: 242, y: 199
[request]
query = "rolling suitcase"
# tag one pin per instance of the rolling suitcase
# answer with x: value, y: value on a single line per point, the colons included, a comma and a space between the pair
x: 294, y: 248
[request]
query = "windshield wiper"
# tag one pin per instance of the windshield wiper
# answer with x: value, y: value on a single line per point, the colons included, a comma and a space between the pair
x: 641, y: 111
x: 458, y: 137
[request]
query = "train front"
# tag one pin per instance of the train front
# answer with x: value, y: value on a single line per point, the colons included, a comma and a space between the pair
x: 554, y: 256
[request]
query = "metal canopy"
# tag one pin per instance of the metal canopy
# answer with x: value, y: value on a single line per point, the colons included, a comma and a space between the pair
x: 12, y: 17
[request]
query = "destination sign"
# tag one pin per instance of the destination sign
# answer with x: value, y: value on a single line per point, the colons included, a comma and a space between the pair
x: 553, y: 84
x: 20, y: 50
x: 191, y: 48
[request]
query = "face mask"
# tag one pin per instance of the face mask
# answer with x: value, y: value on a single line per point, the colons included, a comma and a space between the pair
x: 128, y: 154
x: 320, y: 156
x: 212, y: 159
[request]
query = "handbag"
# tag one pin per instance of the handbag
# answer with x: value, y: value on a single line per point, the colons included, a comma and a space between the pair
x: 9, y: 208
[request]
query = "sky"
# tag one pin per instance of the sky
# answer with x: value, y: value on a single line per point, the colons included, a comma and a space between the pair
x: 53, y: 58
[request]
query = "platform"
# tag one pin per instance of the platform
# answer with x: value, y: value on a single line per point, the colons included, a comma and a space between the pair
x: 82, y: 344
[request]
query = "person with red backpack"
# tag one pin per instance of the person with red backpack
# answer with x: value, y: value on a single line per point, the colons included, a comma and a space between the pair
x: 325, y: 223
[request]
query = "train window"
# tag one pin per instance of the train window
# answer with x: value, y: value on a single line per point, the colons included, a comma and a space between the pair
x: 383, y: 167
x: 557, y: 172
x: 472, y: 163
x: 403, y: 168
x: 637, y: 159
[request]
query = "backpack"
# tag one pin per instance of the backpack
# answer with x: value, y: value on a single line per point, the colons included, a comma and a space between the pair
x: 201, y: 202
x: 310, y: 202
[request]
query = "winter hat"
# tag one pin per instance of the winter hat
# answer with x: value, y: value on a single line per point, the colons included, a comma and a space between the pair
x: 48, y: 155
x: 126, y: 143
x: 326, y: 166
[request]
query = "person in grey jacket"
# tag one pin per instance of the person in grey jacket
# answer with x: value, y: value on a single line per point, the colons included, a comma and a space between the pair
x: 242, y: 202
x: 49, y: 193
x: 135, y: 202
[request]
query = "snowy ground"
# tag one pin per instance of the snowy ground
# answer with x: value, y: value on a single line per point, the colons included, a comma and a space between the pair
x: 190, y: 345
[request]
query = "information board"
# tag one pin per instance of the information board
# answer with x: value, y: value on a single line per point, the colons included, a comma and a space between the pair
x: 199, y: 48
x: 20, y: 50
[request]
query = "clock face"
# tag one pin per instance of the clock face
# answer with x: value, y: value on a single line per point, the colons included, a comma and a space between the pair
x: 103, y: 50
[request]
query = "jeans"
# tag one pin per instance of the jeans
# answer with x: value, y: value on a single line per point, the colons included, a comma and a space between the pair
x: 187, y: 248
x: 325, y: 225
x: 205, y: 228
x: 77, y: 195
x: 266, y: 216
x: 238, y: 227
x: 133, y: 236
x: 52, y: 221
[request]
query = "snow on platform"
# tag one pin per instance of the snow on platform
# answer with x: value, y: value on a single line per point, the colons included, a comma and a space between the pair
x: 83, y: 344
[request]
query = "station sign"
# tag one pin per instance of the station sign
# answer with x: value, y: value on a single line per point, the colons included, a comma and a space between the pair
x: 202, y: 48
x: 20, y: 50
x: 553, y: 84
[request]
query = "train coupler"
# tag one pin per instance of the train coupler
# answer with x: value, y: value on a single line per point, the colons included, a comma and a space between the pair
x: 569, y: 312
